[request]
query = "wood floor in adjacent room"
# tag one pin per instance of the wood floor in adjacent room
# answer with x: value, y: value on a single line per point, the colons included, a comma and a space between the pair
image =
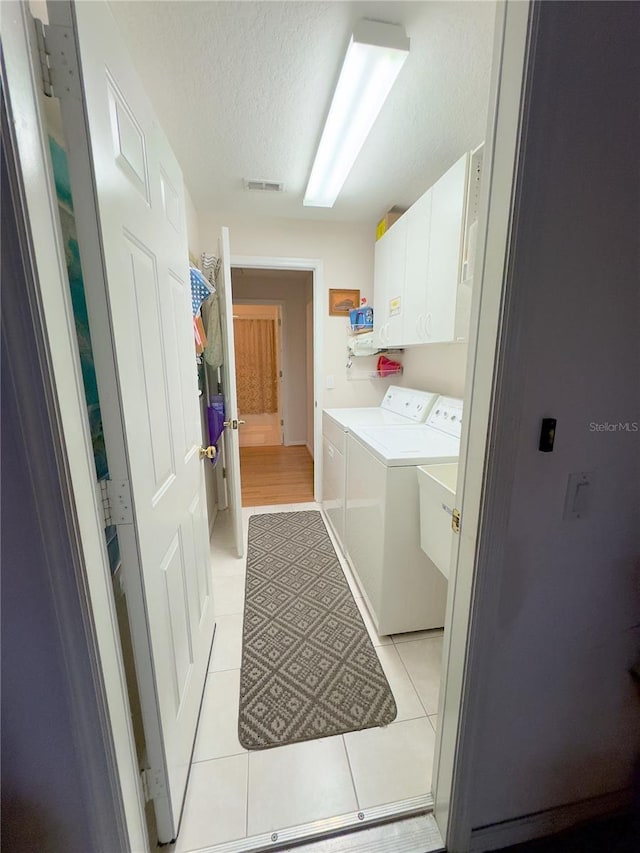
x: 276, y: 475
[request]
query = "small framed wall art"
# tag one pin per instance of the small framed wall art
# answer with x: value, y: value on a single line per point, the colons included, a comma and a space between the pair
x: 343, y: 301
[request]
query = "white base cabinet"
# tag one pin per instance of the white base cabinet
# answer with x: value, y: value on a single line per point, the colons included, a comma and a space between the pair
x: 333, y: 486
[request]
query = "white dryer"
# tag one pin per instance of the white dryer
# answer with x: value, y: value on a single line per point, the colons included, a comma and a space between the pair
x: 399, y: 407
x: 403, y: 589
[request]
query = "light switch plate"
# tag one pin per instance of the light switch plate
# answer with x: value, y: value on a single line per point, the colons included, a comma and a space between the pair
x: 579, y: 495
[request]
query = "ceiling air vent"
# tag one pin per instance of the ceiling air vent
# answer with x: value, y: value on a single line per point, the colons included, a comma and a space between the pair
x: 264, y: 186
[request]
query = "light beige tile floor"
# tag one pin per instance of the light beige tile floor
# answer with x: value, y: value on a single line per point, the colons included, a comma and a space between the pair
x: 297, y: 784
x: 233, y: 793
x: 216, y: 805
x: 391, y: 763
x: 218, y: 728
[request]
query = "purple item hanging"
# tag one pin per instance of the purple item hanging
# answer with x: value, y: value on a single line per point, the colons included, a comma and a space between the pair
x: 215, y: 415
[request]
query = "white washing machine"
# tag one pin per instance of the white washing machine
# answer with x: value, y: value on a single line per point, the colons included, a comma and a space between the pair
x: 399, y: 406
x: 403, y: 589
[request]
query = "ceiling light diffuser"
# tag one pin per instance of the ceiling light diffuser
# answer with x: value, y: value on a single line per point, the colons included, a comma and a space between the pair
x: 375, y: 55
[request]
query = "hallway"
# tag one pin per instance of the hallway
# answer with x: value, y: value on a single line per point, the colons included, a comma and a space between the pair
x: 276, y: 475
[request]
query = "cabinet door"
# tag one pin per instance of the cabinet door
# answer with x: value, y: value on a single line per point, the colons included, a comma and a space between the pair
x: 445, y: 248
x: 416, y: 268
x: 380, y: 278
x: 333, y: 486
x: 395, y: 305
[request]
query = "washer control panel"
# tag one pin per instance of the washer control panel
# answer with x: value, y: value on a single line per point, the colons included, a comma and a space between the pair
x: 413, y: 404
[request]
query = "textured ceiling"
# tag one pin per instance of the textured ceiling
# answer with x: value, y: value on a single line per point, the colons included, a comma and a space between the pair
x: 242, y: 90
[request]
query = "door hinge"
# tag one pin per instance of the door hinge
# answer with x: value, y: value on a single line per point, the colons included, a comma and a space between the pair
x: 58, y: 61
x: 280, y: 374
x: 224, y: 473
x: 152, y: 784
x: 115, y: 500
x: 281, y: 422
x: 455, y: 521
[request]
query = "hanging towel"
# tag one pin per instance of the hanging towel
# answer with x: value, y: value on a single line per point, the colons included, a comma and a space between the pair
x: 200, y: 289
x: 199, y: 334
x: 213, y: 353
x: 210, y: 266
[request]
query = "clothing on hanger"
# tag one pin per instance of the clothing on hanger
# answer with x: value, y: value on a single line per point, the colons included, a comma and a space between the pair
x: 200, y: 289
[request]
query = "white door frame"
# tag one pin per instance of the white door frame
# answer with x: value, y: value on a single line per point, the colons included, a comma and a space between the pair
x: 90, y: 589
x: 315, y: 266
x: 480, y: 544
x: 280, y: 339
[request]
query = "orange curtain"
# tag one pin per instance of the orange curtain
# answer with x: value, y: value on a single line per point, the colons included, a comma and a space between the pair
x: 256, y: 366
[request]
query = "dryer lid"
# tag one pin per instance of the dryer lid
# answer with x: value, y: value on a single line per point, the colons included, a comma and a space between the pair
x: 415, y: 444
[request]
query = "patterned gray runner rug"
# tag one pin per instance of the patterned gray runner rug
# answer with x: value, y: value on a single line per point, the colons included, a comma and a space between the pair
x: 309, y: 669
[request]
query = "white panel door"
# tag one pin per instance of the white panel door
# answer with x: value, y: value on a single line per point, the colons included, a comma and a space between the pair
x: 232, y: 424
x: 153, y: 402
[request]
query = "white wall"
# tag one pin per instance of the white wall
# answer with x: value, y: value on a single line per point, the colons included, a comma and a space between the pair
x: 435, y: 367
x: 193, y: 230
x: 561, y: 722
x: 346, y: 251
x: 292, y: 290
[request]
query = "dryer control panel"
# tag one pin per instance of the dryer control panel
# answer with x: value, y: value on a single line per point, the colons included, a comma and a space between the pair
x: 446, y: 415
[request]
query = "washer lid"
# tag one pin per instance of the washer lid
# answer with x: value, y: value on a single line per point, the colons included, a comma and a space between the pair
x: 375, y: 416
x: 409, y: 445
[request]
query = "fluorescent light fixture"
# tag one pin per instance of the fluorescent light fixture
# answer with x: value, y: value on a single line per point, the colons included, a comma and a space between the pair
x: 375, y: 55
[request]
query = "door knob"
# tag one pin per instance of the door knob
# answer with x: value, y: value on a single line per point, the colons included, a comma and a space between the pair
x: 208, y: 452
x: 233, y: 423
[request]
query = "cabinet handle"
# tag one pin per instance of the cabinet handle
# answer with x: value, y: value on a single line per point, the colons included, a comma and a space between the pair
x: 422, y: 332
x: 427, y: 326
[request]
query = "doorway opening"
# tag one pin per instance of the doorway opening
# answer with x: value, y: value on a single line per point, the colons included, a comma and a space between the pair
x: 274, y: 355
x: 257, y: 335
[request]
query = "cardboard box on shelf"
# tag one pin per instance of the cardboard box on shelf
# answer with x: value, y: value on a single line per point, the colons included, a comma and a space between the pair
x: 387, y: 221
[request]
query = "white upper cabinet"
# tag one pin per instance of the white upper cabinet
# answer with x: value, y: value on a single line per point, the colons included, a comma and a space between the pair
x: 418, y: 267
x: 389, y: 285
x: 416, y: 302
x: 445, y: 252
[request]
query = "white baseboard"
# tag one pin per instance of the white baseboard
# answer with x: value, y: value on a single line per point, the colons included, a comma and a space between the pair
x: 310, y: 449
x: 548, y: 822
x: 295, y: 443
